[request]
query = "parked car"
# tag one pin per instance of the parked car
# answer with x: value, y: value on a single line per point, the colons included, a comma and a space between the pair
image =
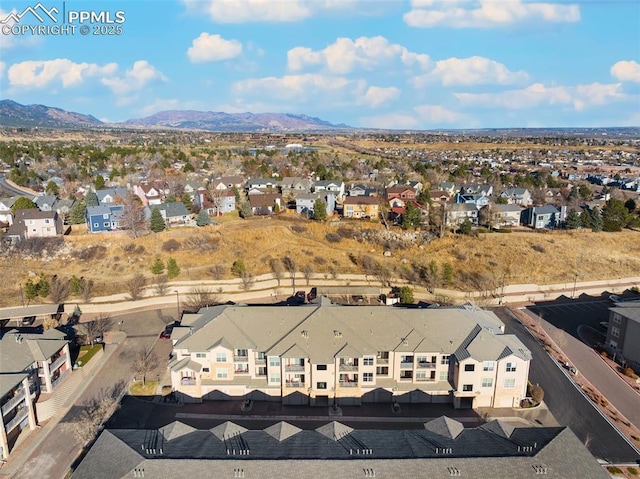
x: 313, y: 294
x: 28, y: 321
x: 301, y: 296
x: 614, y: 297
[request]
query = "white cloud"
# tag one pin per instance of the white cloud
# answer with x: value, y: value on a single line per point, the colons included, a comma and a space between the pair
x: 471, y: 71
x: 39, y: 74
x: 579, y: 96
x: 376, y: 96
x: 213, y: 48
x: 346, y: 55
x: 437, y: 114
x: 241, y: 11
x: 139, y: 76
x: 486, y: 13
x: 627, y: 71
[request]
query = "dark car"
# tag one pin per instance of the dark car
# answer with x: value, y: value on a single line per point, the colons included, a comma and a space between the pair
x: 313, y: 294
x: 301, y: 297
x: 28, y: 321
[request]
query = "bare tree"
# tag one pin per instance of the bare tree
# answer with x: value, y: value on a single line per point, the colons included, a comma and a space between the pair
x: 307, y: 272
x: 290, y: 265
x: 161, y: 284
x: 89, y: 331
x: 200, y: 297
x: 276, y: 269
x: 144, y: 362
x: 247, y: 280
x: 132, y: 218
x: 217, y: 197
x: 217, y: 271
x: 136, y: 286
x: 384, y: 275
x: 103, y: 323
x: 59, y: 289
x: 87, y: 289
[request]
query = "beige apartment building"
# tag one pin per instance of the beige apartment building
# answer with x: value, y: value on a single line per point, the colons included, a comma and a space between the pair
x: 323, y: 353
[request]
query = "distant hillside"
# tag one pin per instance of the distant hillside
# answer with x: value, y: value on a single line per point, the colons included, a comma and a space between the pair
x: 14, y: 114
x: 220, y: 121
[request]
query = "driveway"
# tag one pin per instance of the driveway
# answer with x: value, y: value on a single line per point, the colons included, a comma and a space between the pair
x: 567, y: 404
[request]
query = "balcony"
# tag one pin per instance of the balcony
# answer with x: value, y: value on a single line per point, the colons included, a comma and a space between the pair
x: 426, y: 365
x: 426, y: 380
x: 58, y: 380
x: 406, y: 365
x: 349, y: 367
x: 348, y: 384
x: 260, y: 362
x: 242, y: 371
x: 294, y: 368
x: 57, y: 363
x: 13, y: 402
x: 240, y: 359
x: 188, y: 382
x: 294, y: 384
x: 11, y: 425
x: 382, y: 360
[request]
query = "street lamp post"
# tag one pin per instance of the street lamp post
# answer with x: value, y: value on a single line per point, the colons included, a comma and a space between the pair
x: 575, y: 279
x: 178, y: 302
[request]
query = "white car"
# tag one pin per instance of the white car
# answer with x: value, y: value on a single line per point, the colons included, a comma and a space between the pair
x: 615, y: 298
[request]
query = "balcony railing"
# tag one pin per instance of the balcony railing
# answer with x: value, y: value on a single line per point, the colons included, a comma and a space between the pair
x: 11, y: 425
x: 426, y: 380
x: 348, y: 384
x: 382, y: 360
x: 59, y: 379
x: 13, y: 402
x: 240, y: 359
x: 294, y: 384
x: 406, y: 365
x: 403, y: 379
x: 188, y: 382
x: 426, y: 365
x: 260, y: 362
x: 348, y: 367
x: 242, y: 371
x: 293, y: 368
x: 57, y: 363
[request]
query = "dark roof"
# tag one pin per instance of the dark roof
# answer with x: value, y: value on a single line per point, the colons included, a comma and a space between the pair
x: 361, y: 200
x: 268, y: 199
x: 334, y: 450
x: 34, y: 214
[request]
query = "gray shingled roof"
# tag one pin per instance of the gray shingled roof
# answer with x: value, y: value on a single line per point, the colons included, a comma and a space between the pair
x: 445, y: 426
x: 282, y: 431
x: 18, y: 350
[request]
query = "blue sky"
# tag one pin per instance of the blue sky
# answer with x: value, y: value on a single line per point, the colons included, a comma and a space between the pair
x: 419, y: 64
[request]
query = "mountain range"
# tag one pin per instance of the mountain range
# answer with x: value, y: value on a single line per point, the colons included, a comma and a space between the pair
x: 13, y: 114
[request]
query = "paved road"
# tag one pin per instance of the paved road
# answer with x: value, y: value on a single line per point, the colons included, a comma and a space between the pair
x: 589, y: 364
x: 6, y: 188
x: 567, y: 404
x: 57, y: 453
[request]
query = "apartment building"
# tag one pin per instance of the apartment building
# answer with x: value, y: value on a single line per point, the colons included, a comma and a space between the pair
x: 29, y: 364
x: 623, y: 333
x: 322, y: 353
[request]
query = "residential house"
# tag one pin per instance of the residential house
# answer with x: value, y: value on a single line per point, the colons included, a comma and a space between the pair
x: 150, y: 193
x: 335, y: 187
x: 33, y: 223
x: 108, y: 196
x: 546, y: 216
x: 228, y: 182
x: 450, y: 188
x: 216, y: 201
x: 477, y: 189
x: 623, y: 333
x: 104, y: 217
x: 477, y: 199
x: 45, y: 202
x: 501, y: 216
x: 63, y: 207
x: 362, y: 190
x: 194, y: 185
x: 30, y: 363
x: 305, y: 203
x: 261, y: 185
x: 456, y: 213
x: 399, y: 195
x: 517, y: 196
x: 443, y: 447
x: 318, y: 352
x: 174, y: 214
x: 291, y: 185
x: 439, y: 196
x: 361, y: 207
x: 6, y: 217
x: 266, y: 204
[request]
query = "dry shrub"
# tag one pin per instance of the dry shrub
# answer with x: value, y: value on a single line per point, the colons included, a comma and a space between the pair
x: 90, y: 253
x: 128, y: 247
x: 298, y: 228
x: 139, y: 250
x: 346, y: 232
x: 38, y: 245
x: 319, y: 260
x: 538, y: 247
x: 171, y: 245
x: 333, y: 237
x: 202, y: 243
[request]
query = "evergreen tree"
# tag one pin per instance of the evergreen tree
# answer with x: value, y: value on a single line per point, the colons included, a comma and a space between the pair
x: 173, y: 269
x: 77, y: 213
x: 319, y: 210
x: 170, y: 199
x: 614, y: 215
x: 91, y: 199
x: 22, y: 203
x: 43, y: 286
x: 586, y: 217
x: 465, y: 226
x: 596, y: 220
x: 156, y: 222
x: 630, y: 205
x: 406, y: 295
x: 412, y: 217
x: 99, y: 182
x: 52, y: 189
x: 447, y: 274
x: 203, y: 218
x: 238, y: 267
x: 158, y: 266
x: 75, y: 285
x: 30, y: 290
x: 573, y: 220
x: 186, y: 201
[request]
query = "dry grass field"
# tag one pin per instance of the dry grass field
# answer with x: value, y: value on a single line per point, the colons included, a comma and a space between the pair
x: 480, y: 262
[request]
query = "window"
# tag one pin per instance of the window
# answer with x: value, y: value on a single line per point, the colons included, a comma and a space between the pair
x: 322, y: 385
x: 274, y: 378
x: 421, y: 359
x: 222, y: 373
x: 96, y: 225
x: 261, y: 356
x: 444, y: 375
x: 367, y: 377
x: 261, y: 371
x: 511, y: 367
x: 487, y: 382
x: 367, y: 361
x: 615, y: 332
x: 444, y: 360
x: 617, y: 318
x: 487, y: 366
x: 241, y: 352
x: 321, y: 367
x: 382, y: 371
x: 467, y: 387
x: 201, y: 355
x: 205, y: 370
x: 469, y: 367
x: 221, y: 357
x: 274, y: 361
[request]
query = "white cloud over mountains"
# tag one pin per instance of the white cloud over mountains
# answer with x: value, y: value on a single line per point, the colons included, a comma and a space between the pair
x: 213, y: 48
x: 346, y: 55
x: 486, y: 13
